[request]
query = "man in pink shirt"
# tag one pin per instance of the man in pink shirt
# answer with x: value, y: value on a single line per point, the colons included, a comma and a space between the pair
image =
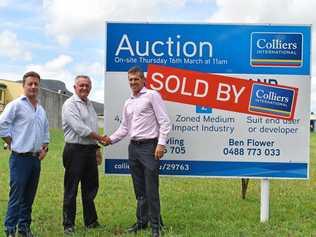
x: 146, y: 121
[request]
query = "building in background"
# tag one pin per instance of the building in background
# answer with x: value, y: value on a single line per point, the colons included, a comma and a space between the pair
x: 3, y: 88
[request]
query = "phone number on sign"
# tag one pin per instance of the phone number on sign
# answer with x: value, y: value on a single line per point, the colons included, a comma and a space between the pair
x: 273, y: 152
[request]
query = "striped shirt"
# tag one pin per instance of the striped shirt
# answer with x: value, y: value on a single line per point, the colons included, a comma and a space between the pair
x: 79, y: 119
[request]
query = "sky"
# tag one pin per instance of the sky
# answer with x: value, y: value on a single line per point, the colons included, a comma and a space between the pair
x: 63, y: 38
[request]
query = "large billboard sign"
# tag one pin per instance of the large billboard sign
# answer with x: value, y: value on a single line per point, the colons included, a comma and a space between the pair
x: 238, y: 96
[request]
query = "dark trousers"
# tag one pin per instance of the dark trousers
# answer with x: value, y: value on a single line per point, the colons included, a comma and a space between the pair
x: 24, y: 177
x: 80, y: 166
x: 144, y: 169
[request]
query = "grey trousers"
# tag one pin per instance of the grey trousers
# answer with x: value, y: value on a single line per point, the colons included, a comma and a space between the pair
x: 144, y: 169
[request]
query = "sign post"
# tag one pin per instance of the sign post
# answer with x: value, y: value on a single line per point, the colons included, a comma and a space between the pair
x: 264, y: 208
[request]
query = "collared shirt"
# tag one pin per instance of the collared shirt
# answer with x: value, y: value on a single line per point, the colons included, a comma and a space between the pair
x: 79, y: 119
x: 25, y: 124
x: 144, y: 117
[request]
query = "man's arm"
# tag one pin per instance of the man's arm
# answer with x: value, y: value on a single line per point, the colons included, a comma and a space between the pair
x: 6, y: 120
x: 162, y: 117
x: 71, y: 116
x: 163, y: 121
x: 46, y: 131
x: 122, y: 131
x: 97, y: 137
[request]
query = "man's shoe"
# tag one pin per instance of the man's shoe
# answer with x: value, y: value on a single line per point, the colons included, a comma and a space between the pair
x: 136, y: 227
x: 27, y: 233
x: 155, y: 233
x: 93, y: 225
x: 10, y: 234
x: 69, y: 230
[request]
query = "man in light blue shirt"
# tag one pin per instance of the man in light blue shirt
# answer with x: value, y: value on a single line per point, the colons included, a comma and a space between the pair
x: 24, y: 127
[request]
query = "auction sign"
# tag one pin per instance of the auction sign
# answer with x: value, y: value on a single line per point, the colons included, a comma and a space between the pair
x: 238, y: 96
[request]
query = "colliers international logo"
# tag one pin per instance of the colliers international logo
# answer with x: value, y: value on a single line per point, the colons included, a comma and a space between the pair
x: 272, y: 100
x: 272, y: 49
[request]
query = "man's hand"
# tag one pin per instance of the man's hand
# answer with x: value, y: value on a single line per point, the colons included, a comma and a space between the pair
x: 106, y: 140
x: 159, y: 152
x: 99, y: 156
x: 43, y: 152
x: 6, y: 146
x: 8, y: 141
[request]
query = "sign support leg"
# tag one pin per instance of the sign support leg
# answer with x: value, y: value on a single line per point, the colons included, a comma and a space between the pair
x: 264, y: 210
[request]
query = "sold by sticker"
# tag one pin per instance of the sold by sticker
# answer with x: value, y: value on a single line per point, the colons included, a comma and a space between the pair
x: 222, y: 92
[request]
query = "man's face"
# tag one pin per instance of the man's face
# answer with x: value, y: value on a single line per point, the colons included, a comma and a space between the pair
x: 82, y: 87
x: 136, y: 82
x: 31, y: 87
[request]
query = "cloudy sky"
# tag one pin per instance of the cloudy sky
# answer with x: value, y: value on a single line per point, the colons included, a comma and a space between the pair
x: 63, y: 38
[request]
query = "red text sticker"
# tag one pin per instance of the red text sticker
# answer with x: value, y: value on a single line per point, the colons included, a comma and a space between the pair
x: 222, y: 92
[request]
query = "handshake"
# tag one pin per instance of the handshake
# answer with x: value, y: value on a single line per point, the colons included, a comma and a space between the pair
x: 104, y: 140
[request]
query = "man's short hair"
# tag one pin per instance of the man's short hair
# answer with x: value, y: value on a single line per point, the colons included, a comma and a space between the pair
x: 136, y: 69
x: 30, y: 74
x: 82, y: 76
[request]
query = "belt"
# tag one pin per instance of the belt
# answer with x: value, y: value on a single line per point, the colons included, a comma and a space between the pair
x: 26, y: 154
x: 144, y: 141
x: 83, y: 146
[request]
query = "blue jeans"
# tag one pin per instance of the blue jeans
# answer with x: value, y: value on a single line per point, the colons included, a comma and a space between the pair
x: 24, y: 177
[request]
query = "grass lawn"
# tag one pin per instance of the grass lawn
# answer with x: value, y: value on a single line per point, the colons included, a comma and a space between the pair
x: 190, y: 206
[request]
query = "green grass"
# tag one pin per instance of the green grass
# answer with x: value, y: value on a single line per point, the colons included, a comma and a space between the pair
x: 190, y: 206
